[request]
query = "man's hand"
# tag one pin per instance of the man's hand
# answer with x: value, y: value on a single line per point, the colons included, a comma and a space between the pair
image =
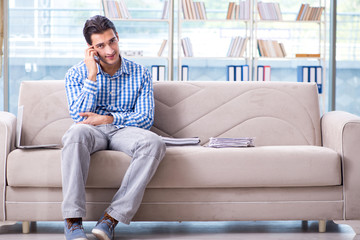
x: 90, y: 62
x: 96, y: 119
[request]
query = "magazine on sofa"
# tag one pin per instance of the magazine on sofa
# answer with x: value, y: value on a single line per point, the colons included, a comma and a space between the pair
x: 231, y: 142
x: 181, y: 141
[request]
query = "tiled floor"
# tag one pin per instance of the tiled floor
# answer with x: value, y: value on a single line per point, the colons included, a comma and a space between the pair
x: 268, y: 230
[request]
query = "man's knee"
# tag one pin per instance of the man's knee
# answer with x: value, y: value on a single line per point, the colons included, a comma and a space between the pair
x: 154, y: 144
x: 79, y: 133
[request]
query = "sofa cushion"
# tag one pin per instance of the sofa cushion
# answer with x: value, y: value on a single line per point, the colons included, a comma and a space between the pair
x: 191, y: 167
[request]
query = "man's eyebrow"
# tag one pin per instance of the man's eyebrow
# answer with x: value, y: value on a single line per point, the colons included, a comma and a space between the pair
x: 99, y: 44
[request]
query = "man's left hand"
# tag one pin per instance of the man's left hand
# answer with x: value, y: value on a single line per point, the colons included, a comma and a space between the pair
x: 96, y: 119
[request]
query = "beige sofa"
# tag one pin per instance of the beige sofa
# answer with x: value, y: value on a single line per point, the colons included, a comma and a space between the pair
x: 303, y: 167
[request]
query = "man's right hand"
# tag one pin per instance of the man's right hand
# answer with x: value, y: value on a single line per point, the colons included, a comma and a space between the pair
x: 90, y: 62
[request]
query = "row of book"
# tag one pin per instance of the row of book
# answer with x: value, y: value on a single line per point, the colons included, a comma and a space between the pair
x: 116, y: 9
x: 187, y: 47
x: 271, y: 48
x: 307, y: 13
x: 263, y: 73
x: 239, y: 11
x: 237, y: 46
x: 238, y: 73
x: 158, y: 72
x: 269, y: 11
x: 241, y: 73
x: 193, y: 10
x: 310, y: 74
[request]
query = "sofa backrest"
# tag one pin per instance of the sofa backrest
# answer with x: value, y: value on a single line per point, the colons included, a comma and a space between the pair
x: 275, y: 113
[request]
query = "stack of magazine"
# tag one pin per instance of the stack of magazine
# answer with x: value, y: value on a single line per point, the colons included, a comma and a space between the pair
x: 231, y: 142
x: 181, y: 141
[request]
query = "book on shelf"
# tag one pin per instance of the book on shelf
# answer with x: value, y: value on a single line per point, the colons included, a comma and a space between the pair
x: 307, y: 55
x: 239, y: 11
x: 162, y: 47
x: 158, y: 72
x: 187, y: 47
x: 271, y: 48
x: 169, y: 141
x: 238, y: 73
x: 184, y: 72
x: 269, y: 11
x: 116, y: 9
x: 263, y: 73
x: 231, y: 142
x: 237, y: 46
x: 165, y: 12
x: 310, y: 74
x: 307, y: 13
x: 193, y: 10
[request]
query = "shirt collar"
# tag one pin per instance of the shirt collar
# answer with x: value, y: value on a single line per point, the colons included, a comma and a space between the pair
x: 122, y: 70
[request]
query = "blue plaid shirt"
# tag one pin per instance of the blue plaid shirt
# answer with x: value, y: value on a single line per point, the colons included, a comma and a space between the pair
x: 127, y: 95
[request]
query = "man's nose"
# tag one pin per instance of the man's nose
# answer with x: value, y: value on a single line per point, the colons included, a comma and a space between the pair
x: 108, y: 49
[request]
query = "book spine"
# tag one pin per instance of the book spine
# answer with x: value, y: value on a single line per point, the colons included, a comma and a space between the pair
x: 184, y: 73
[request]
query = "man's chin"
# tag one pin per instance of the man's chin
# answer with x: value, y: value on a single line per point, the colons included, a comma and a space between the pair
x: 110, y: 61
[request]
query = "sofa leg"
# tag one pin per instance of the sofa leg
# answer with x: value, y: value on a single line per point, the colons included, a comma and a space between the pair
x: 354, y: 224
x: 322, y: 226
x: 26, y: 227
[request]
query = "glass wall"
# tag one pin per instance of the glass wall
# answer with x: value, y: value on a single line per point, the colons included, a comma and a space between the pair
x: 45, y: 40
x: 348, y: 56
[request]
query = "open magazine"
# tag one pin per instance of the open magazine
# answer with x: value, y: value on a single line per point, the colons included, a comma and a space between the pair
x: 231, y: 142
x: 181, y: 141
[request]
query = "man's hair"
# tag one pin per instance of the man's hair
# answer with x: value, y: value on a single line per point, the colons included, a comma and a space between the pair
x: 97, y: 24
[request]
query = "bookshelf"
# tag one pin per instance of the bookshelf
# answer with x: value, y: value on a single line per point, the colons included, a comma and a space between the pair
x: 302, y: 33
x: 222, y: 26
x: 154, y: 19
x: 205, y: 31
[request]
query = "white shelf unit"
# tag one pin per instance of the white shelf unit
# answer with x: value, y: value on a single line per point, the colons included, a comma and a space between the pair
x: 170, y: 34
x: 251, y: 28
x: 243, y: 25
x: 317, y: 45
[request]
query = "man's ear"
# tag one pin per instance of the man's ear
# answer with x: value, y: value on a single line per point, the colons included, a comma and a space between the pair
x: 117, y: 36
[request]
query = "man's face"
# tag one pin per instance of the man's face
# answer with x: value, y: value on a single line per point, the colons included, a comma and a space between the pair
x: 106, y: 45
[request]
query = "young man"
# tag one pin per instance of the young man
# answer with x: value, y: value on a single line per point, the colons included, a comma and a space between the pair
x: 111, y: 101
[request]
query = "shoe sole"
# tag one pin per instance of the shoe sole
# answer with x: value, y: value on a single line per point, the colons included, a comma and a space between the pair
x: 100, y: 234
x: 78, y: 238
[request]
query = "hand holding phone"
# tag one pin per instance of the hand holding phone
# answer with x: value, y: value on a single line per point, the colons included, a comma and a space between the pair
x: 91, y: 58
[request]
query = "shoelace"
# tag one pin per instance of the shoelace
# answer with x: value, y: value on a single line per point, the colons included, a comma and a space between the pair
x: 74, y: 223
x: 111, y: 223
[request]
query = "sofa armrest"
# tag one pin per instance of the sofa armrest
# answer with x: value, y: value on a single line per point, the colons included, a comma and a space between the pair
x: 7, y: 143
x: 341, y: 132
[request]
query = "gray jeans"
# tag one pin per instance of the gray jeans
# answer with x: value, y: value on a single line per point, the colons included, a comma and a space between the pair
x: 81, y: 140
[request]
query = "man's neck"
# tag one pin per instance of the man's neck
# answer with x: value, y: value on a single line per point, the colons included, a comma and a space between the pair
x: 111, y: 69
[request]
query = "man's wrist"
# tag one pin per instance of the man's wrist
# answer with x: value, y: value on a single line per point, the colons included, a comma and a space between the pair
x: 109, y: 119
x: 92, y: 77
